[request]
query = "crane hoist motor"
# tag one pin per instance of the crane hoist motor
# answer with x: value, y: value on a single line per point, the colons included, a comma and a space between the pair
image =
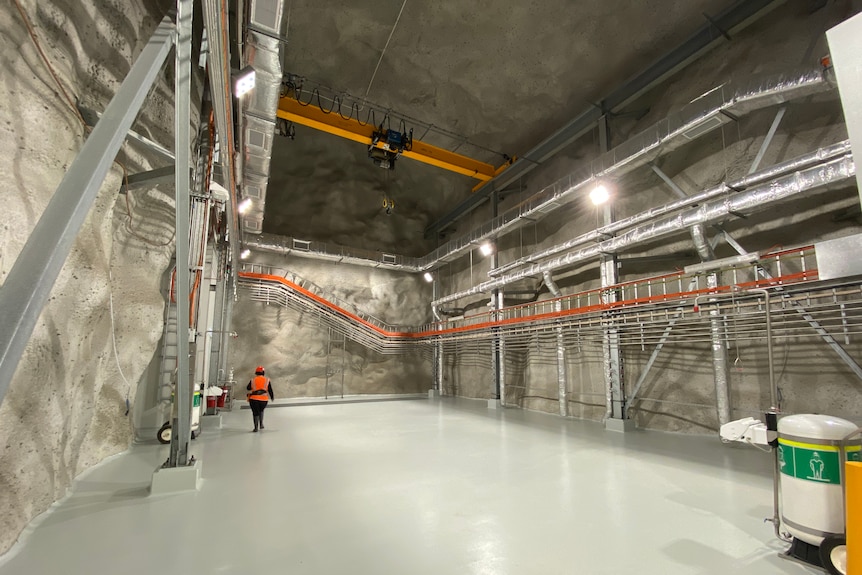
x: 391, y: 144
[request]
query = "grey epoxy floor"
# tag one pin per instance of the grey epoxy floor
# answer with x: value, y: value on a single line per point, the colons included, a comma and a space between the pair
x: 420, y: 487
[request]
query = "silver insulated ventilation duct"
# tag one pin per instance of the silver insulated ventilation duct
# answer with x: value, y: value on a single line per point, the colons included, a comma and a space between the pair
x: 732, y: 99
x: 262, y: 51
x: 706, y: 113
x: 828, y: 173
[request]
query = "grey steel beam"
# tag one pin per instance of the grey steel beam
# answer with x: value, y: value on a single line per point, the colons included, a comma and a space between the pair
x: 149, y: 179
x: 767, y: 140
x: 666, y: 179
x: 181, y: 435
x: 733, y: 19
x: 32, y: 277
x: 653, y: 356
x: 92, y: 117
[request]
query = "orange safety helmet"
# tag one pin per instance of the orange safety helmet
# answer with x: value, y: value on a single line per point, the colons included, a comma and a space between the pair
x: 259, y: 370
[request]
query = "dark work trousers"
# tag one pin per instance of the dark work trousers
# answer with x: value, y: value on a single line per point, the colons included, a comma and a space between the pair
x: 257, y: 408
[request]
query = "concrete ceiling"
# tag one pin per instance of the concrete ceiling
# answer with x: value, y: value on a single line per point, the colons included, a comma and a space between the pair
x: 503, y: 76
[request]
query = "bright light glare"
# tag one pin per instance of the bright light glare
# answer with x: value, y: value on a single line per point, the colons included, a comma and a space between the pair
x: 599, y: 195
x: 486, y: 249
x: 245, y: 253
x: 428, y: 277
x: 244, y: 82
x: 244, y: 205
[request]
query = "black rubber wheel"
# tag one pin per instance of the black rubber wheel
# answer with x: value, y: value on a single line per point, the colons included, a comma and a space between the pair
x: 164, y: 434
x: 833, y: 554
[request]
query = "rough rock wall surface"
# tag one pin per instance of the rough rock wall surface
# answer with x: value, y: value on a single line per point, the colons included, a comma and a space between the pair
x: 65, y: 410
x: 295, y: 347
x: 813, y: 378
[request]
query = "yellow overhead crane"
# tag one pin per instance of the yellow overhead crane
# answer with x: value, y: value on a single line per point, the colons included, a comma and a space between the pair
x: 334, y: 123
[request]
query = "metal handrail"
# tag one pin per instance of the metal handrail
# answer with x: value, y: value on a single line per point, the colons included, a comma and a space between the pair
x: 796, y: 265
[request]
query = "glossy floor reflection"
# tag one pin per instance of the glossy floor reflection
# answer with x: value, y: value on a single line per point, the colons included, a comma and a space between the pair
x: 420, y: 487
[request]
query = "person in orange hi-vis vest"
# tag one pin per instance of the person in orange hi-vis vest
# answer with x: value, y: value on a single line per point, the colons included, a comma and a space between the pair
x: 259, y: 392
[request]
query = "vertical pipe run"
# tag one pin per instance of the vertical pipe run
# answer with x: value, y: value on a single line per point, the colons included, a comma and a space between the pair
x: 182, y: 102
x: 562, y: 375
x: 719, y: 358
x: 716, y: 330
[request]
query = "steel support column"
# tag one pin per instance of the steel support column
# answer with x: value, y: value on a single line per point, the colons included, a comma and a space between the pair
x: 496, y: 303
x: 609, y: 271
x: 181, y: 435
x: 767, y: 140
x: 438, y: 346
x: 501, y: 356
x: 29, y: 282
x: 616, y: 402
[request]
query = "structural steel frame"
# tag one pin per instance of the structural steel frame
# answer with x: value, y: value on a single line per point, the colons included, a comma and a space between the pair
x: 32, y: 277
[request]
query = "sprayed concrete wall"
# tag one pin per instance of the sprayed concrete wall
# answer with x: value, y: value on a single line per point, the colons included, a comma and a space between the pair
x: 679, y: 392
x: 298, y: 350
x: 66, y: 408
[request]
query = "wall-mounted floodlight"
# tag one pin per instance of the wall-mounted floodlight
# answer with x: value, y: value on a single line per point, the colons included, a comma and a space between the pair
x: 243, y: 81
x: 487, y: 249
x: 245, y: 253
x: 428, y: 277
x: 244, y: 206
x: 599, y: 195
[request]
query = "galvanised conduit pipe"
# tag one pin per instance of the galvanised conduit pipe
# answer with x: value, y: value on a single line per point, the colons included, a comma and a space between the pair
x: 752, y: 200
x: 796, y: 164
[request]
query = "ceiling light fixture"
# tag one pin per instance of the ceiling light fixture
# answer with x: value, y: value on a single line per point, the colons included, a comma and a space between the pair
x: 244, y: 206
x: 243, y: 81
x: 245, y: 253
x: 599, y: 195
x: 487, y: 249
x: 428, y: 277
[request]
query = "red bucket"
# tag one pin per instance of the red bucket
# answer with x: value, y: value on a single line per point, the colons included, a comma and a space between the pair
x: 220, y: 399
x: 211, y: 402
